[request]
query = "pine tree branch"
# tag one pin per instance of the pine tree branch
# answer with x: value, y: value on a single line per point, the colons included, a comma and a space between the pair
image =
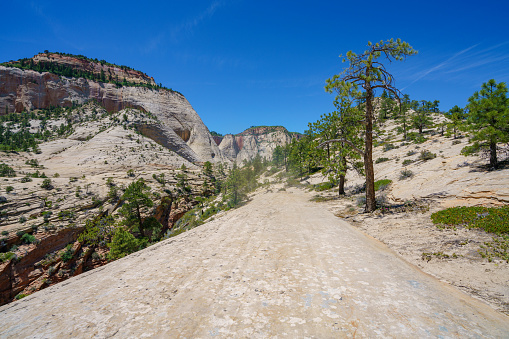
x: 355, y: 148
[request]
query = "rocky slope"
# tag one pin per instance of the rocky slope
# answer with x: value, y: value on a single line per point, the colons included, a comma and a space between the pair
x: 85, y: 168
x: 181, y: 129
x: 255, y: 140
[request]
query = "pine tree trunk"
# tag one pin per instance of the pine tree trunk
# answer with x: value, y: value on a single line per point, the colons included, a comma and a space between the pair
x: 493, y: 154
x: 368, y: 154
x: 341, y: 190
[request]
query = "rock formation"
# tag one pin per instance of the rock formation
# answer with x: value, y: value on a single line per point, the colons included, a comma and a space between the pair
x: 255, y: 140
x: 181, y: 129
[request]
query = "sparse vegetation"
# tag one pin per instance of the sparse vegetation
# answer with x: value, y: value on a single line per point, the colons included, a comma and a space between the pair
x: 491, y: 219
x: 379, y: 160
x: 405, y: 174
x: 6, y: 171
x: 427, y: 155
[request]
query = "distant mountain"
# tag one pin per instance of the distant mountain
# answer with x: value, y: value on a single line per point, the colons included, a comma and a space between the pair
x: 62, y: 80
x: 255, y: 140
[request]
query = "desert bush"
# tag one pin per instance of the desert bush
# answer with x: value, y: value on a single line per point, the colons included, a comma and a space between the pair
x: 497, y: 248
x: 405, y: 174
x: 427, y: 155
x: 491, y: 219
x: 361, y: 201
x: 28, y: 239
x: 388, y: 147
x: 382, y: 184
x: 324, y: 186
x: 4, y: 257
x: 410, y: 153
x: 407, y: 162
x: 379, y: 160
x: 9, y: 189
x: 46, y: 184
x: 67, y: 254
x: 22, y: 220
x: 5, y: 232
x: 25, y: 179
x: 6, y: 171
x: 456, y: 142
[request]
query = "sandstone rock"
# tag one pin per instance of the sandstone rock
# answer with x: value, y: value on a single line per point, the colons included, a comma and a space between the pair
x: 180, y: 125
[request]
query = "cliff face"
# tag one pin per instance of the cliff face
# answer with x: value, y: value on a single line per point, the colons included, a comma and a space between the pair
x: 255, y: 140
x: 182, y: 127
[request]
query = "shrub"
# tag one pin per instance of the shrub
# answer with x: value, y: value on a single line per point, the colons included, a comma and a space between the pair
x: 388, y: 147
x: 456, y: 142
x: 20, y: 296
x: 28, y: 239
x: 67, y: 254
x: 46, y: 184
x: 379, y: 160
x: 493, y: 220
x: 22, y: 219
x: 427, y: 155
x: 7, y: 256
x: 130, y: 173
x: 324, y: 186
x: 410, y: 153
x: 25, y: 179
x: 404, y: 174
x: 5, y: 232
x: 9, y: 189
x: 6, y: 171
x: 361, y: 201
x: 407, y: 162
x: 382, y: 184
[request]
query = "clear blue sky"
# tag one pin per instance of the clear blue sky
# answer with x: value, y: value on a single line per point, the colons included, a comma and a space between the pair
x: 242, y: 63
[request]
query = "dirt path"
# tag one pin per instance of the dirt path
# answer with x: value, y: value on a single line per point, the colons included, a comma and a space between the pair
x: 279, y: 266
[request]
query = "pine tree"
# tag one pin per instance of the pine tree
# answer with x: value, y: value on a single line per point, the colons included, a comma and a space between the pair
x: 489, y: 117
x: 366, y: 71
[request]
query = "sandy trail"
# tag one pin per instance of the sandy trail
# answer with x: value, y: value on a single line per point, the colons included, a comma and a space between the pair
x: 280, y: 266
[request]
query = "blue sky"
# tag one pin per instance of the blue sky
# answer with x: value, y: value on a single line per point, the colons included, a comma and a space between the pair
x: 243, y: 63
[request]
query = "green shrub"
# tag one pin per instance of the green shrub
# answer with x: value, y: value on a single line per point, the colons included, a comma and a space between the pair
x: 20, y: 296
x: 382, y: 184
x: 6, y: 171
x: 410, y: 153
x: 67, y: 254
x: 407, y: 162
x: 25, y: 179
x: 497, y: 248
x: 490, y: 219
x: 379, y: 160
x: 9, y: 189
x: 7, y: 256
x: 46, y: 184
x: 28, y: 239
x: 324, y: 186
x: 427, y: 155
x: 388, y: 147
x: 404, y: 174
x: 455, y: 142
x: 5, y: 232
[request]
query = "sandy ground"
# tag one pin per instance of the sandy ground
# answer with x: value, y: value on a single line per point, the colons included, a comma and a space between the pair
x: 281, y: 266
